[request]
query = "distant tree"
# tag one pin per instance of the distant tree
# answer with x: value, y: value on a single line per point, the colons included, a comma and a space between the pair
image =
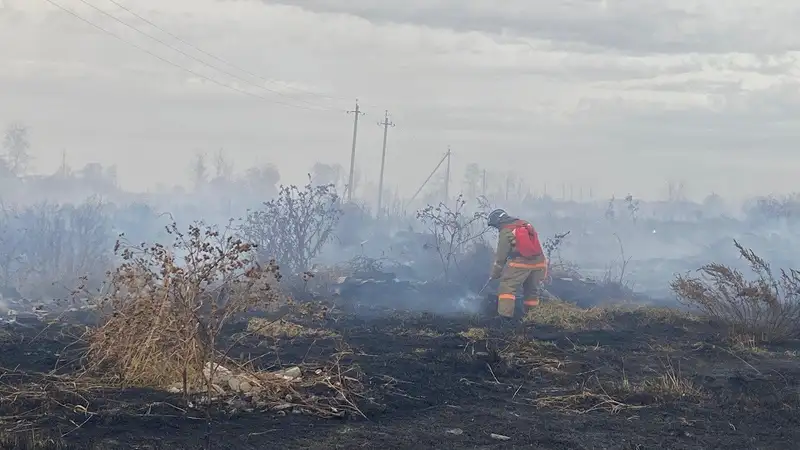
x: 92, y: 172
x: 434, y: 192
x: 199, y: 170
x: 676, y: 191
x: 223, y: 167
x: 5, y: 171
x: 111, y: 175
x: 263, y: 179
x: 714, y: 204
x: 16, y: 149
x: 611, y: 213
x: 98, y: 178
x: 473, y: 177
x: 633, y: 207
x: 322, y: 174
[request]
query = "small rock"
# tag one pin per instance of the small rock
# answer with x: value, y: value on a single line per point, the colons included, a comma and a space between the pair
x: 455, y: 431
x: 245, y: 387
x: 499, y: 437
x: 235, y: 384
x: 290, y: 374
x: 221, y: 373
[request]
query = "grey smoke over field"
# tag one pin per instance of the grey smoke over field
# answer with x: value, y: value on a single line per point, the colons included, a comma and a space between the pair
x: 430, y: 254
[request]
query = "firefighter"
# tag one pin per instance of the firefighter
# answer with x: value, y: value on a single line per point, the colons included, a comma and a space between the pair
x: 519, y: 261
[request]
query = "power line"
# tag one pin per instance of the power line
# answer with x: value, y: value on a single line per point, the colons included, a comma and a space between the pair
x: 174, y: 64
x: 212, y: 56
x: 117, y: 19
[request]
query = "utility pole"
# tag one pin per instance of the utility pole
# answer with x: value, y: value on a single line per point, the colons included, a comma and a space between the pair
x: 424, y: 183
x: 386, y: 124
x: 64, y: 163
x: 357, y: 113
x: 483, y: 183
x: 447, y: 178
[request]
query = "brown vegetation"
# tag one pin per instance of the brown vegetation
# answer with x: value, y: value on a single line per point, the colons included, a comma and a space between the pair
x: 765, y: 308
x: 164, y: 312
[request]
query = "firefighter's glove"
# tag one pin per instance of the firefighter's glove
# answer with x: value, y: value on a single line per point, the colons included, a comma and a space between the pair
x: 496, y: 271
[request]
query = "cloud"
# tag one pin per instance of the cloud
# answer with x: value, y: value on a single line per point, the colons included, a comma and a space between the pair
x: 582, y: 86
x: 639, y: 26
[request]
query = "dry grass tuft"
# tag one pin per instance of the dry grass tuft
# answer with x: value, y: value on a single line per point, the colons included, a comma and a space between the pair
x: 672, y: 384
x: 164, y: 312
x: 565, y: 315
x: 669, y: 385
x: 587, y: 398
x: 534, y: 356
x: 283, y: 329
x: 764, y: 309
x: 475, y: 334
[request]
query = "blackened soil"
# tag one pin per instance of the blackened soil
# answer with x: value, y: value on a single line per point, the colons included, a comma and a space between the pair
x: 627, y: 380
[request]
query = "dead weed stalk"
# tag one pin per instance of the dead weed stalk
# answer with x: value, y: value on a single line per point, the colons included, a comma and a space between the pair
x: 766, y: 308
x: 585, y: 401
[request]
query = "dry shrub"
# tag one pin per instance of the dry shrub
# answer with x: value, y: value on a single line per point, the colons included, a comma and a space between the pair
x: 294, y: 227
x: 455, y: 232
x: 167, y: 306
x: 766, y: 308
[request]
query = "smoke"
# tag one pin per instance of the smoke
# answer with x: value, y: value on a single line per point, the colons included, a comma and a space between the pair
x: 431, y: 255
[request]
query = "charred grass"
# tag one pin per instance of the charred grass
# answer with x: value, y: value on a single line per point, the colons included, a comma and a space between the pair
x: 565, y: 377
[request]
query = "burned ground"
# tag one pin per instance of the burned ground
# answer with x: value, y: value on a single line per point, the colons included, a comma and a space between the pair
x: 565, y: 378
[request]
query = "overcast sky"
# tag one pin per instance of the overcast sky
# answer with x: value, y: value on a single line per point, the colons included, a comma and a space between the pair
x: 618, y: 95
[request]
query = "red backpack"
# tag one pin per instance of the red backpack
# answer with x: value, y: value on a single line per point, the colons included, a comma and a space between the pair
x: 526, y: 239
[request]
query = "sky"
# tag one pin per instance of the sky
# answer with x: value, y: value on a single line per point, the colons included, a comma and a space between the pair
x: 620, y: 96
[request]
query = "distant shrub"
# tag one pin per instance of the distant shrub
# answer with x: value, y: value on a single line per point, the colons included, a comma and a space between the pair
x: 764, y: 309
x: 294, y: 227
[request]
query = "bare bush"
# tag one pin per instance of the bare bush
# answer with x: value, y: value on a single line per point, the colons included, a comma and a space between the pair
x: 633, y: 207
x: 552, y: 247
x: 10, y: 241
x: 49, y: 245
x: 454, y: 231
x: 766, y: 308
x: 616, y: 270
x: 294, y: 227
x: 167, y: 306
x: 771, y: 207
